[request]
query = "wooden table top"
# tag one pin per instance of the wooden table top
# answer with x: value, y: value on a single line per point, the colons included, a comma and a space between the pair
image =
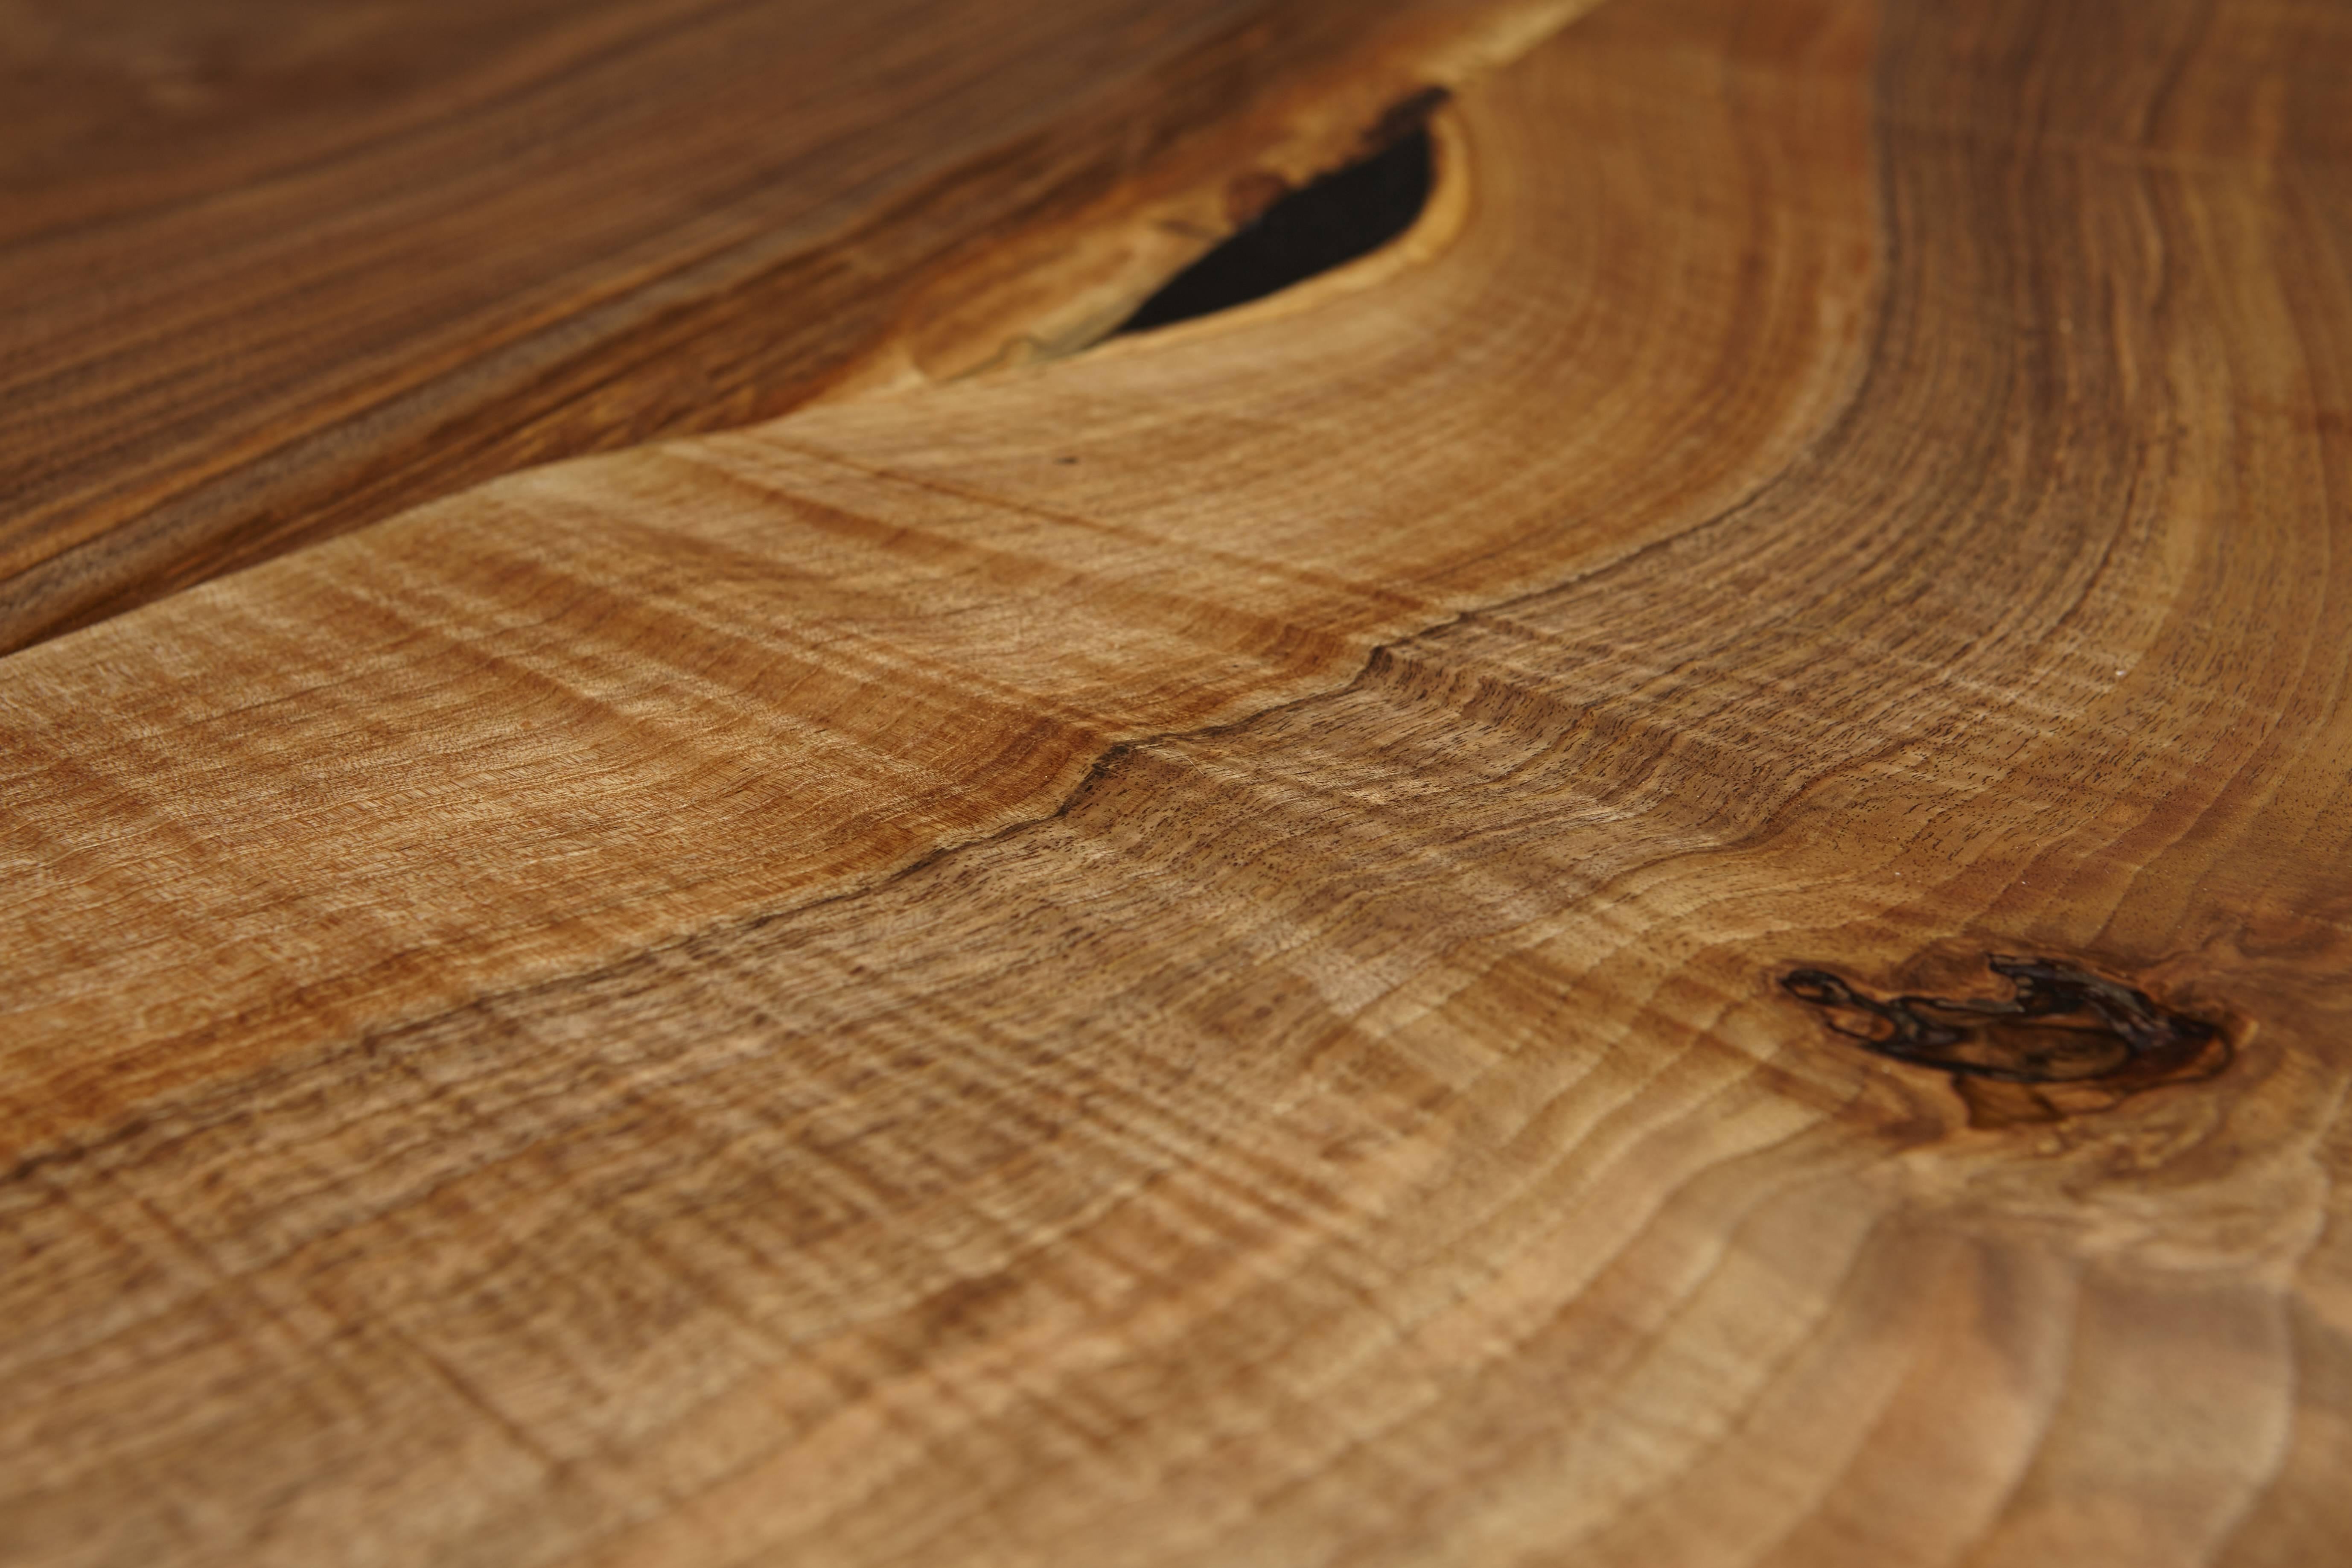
x: 1663, y: 875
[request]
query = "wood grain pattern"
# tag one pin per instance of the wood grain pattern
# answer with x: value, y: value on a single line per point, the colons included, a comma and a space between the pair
x: 271, y: 271
x: 1199, y: 954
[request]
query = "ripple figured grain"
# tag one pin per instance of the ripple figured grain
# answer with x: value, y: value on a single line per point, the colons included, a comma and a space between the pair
x: 272, y: 270
x: 1180, y: 957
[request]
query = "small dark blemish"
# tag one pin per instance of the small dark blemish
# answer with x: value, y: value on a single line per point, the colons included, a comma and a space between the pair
x: 1287, y: 237
x: 2062, y: 1025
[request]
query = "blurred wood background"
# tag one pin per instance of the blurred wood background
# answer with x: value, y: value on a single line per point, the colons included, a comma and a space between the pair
x: 1664, y: 876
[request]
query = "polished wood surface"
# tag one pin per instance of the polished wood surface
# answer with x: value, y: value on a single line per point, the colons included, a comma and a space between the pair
x: 1661, y: 878
x: 272, y: 270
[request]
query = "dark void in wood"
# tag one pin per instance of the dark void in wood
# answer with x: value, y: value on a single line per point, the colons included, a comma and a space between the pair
x: 1325, y: 223
x: 2062, y: 1025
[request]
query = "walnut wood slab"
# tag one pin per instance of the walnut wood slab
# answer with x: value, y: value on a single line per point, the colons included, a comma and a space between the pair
x: 272, y: 270
x: 1662, y: 879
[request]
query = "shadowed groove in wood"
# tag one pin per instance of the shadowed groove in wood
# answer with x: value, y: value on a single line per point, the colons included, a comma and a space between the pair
x: 1331, y: 221
x: 1339, y: 1106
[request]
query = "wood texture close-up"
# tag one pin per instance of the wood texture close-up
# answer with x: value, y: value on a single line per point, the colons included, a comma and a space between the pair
x: 1662, y: 876
x: 272, y: 270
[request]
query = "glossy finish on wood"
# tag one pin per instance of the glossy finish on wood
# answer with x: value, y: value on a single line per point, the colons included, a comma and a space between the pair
x: 1260, y: 946
x: 270, y: 271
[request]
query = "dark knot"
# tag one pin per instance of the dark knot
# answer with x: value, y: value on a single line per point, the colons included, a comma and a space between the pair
x: 2062, y: 1025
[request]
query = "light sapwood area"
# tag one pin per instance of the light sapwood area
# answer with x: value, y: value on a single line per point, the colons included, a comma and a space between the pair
x: 1662, y: 881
